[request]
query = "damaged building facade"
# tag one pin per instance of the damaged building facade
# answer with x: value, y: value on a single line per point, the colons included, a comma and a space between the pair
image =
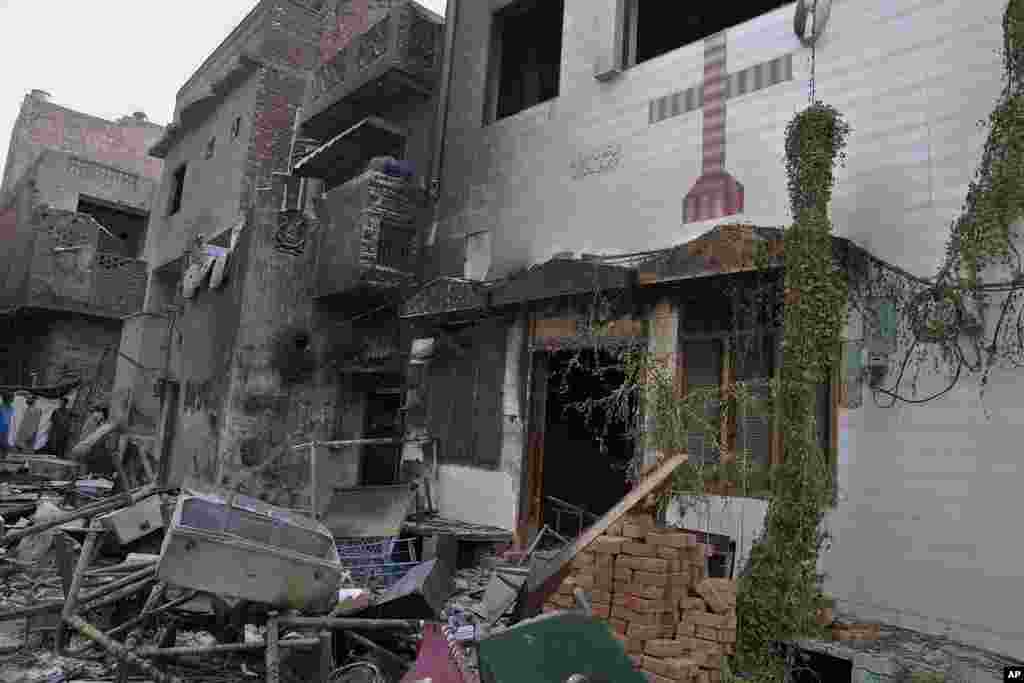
x: 579, y: 127
x: 356, y: 240
x: 74, y: 205
x: 285, y: 232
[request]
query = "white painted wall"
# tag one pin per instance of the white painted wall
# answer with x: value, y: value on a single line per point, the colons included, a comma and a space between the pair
x: 923, y: 533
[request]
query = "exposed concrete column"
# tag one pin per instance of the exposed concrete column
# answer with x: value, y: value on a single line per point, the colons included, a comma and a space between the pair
x: 664, y: 345
x: 512, y: 423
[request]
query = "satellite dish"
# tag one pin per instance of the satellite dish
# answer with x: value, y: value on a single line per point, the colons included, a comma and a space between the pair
x: 809, y: 20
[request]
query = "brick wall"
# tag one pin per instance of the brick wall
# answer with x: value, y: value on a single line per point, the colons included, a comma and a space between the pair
x: 45, y: 125
x: 649, y: 584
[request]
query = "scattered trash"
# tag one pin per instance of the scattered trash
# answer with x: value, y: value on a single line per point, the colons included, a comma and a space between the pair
x: 420, y: 594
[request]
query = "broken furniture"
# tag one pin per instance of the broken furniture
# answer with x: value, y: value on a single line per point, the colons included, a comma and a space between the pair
x: 507, y: 581
x: 132, y: 523
x: 583, y: 518
x: 233, y: 545
x: 377, y: 562
x: 420, y: 594
x: 545, y: 579
x: 552, y: 648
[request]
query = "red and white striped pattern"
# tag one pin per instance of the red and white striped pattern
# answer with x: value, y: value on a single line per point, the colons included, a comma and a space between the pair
x: 716, y: 193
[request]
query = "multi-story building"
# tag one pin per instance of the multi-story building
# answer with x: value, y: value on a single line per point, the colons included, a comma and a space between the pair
x: 609, y: 127
x: 277, y: 248
x: 74, y: 205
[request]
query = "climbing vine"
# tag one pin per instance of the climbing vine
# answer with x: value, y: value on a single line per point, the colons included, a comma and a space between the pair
x: 780, y: 596
x: 968, y: 318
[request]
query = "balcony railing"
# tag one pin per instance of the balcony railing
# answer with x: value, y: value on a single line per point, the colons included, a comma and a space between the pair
x: 396, y: 58
x: 371, y: 236
x: 67, y: 270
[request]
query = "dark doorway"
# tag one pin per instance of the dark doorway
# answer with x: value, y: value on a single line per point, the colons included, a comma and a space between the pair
x: 585, y: 456
x: 380, y: 462
x: 817, y: 667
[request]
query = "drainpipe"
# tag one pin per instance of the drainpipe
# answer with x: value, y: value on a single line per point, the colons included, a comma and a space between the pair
x: 168, y: 405
x: 441, y: 123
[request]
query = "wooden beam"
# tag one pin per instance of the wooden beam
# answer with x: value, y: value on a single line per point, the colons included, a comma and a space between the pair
x: 631, y: 499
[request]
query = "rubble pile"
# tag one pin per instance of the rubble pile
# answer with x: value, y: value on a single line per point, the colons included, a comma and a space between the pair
x: 649, y: 584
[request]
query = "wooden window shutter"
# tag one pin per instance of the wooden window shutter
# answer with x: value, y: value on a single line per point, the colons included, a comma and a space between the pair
x: 756, y: 367
x: 703, y: 366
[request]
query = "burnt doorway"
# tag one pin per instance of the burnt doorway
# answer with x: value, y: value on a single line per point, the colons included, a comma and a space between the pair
x: 379, y: 465
x: 586, y: 453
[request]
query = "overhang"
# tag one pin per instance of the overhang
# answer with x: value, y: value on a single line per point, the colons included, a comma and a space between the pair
x: 347, y: 154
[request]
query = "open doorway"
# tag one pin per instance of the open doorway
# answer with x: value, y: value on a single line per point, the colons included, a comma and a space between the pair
x: 586, y: 454
x: 382, y: 421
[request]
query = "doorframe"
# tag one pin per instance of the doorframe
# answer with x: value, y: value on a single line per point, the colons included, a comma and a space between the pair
x: 531, y: 505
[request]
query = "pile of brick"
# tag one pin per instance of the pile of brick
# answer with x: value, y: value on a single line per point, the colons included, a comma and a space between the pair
x: 649, y: 584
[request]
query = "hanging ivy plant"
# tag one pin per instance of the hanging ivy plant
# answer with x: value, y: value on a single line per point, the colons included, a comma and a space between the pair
x: 779, y: 597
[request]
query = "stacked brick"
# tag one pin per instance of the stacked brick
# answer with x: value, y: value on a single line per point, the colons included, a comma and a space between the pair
x: 649, y: 584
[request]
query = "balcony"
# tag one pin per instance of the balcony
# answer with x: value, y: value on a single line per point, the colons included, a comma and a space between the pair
x: 397, y: 58
x: 369, y: 243
x: 68, y: 269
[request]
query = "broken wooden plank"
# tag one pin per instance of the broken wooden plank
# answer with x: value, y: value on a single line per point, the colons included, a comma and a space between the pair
x: 153, y: 652
x: 542, y: 580
x: 89, y: 548
x: 357, y: 624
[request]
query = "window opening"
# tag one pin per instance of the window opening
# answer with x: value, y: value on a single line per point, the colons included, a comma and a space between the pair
x: 177, y: 188
x: 656, y: 27
x: 236, y: 127
x: 526, y: 56
x: 125, y: 231
x: 209, y: 147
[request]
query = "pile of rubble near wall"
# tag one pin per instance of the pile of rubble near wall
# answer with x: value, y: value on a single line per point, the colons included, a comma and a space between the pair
x: 649, y: 584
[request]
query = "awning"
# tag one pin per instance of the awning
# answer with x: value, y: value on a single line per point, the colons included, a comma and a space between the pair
x: 347, y: 154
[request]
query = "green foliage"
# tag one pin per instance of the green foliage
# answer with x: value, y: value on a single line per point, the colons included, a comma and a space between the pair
x: 779, y: 597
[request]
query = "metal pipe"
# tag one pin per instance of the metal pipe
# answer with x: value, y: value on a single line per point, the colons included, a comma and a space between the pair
x: 358, y: 624
x: 125, y: 592
x: 326, y: 656
x: 119, y: 650
x: 349, y: 442
x: 115, y: 585
x: 273, y: 654
x: 71, y: 599
x: 314, y: 484
x: 384, y: 652
x: 120, y: 568
x: 450, y: 21
x: 223, y: 647
x: 135, y: 621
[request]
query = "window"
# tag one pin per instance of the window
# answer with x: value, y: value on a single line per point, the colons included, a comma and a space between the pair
x: 654, y: 27
x: 236, y: 127
x: 720, y: 360
x: 526, y: 56
x: 210, y: 146
x: 177, y: 188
